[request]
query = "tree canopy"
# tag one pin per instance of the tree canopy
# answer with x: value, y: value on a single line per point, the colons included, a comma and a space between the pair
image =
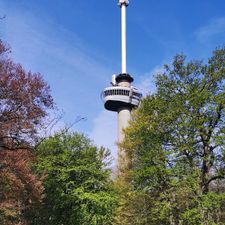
x: 24, y: 101
x: 78, y: 186
x: 175, y: 146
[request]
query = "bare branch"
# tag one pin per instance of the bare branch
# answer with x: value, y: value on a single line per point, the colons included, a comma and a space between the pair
x: 215, y: 178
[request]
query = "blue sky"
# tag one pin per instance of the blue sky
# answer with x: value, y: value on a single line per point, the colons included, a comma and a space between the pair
x: 75, y: 45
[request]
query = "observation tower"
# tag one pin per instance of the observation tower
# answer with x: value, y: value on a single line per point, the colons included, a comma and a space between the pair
x: 121, y: 96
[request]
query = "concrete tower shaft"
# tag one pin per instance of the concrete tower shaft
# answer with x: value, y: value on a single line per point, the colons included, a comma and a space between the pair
x: 124, y: 115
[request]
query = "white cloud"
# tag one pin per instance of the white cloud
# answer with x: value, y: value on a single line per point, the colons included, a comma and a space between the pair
x: 214, y: 27
x: 147, y: 81
x: 104, y: 132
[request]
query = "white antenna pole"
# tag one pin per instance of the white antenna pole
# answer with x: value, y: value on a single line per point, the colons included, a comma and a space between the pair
x: 123, y: 39
x: 123, y: 4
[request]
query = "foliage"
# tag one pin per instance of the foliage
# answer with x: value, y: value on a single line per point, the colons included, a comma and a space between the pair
x: 24, y: 101
x: 175, y: 145
x: 19, y: 187
x: 78, y: 186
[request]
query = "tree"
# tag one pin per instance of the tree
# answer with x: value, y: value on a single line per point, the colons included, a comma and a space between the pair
x: 78, y: 186
x: 175, y: 145
x: 24, y: 101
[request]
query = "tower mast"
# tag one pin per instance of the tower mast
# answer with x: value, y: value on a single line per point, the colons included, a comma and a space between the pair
x: 121, y: 97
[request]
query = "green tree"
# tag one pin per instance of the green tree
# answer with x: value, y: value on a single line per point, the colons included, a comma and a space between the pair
x: 77, y: 185
x: 176, y: 146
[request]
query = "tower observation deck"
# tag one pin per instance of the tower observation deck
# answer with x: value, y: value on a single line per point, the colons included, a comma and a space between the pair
x: 121, y: 96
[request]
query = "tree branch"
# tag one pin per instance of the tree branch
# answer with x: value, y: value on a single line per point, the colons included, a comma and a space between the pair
x: 215, y: 178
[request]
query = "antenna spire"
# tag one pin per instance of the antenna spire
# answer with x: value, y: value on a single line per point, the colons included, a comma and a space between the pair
x: 123, y: 4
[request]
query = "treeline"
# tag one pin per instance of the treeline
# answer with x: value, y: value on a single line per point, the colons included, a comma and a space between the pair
x: 174, y: 148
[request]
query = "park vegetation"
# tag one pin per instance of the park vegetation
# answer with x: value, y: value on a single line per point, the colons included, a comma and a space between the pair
x: 174, y: 147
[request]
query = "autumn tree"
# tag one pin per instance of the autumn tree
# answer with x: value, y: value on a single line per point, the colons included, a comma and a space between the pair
x: 24, y: 101
x: 175, y: 145
x: 78, y: 185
